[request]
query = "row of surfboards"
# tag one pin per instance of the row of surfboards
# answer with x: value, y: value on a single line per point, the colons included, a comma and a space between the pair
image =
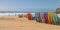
x: 48, y: 18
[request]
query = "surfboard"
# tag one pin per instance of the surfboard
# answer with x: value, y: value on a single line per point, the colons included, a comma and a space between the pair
x: 55, y: 17
x: 36, y: 17
x: 46, y: 17
x: 50, y: 17
x: 42, y: 19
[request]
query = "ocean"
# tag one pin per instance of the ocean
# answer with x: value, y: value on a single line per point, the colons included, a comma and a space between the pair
x: 16, y: 13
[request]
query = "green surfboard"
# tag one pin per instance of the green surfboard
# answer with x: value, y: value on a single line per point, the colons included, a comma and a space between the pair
x: 55, y: 18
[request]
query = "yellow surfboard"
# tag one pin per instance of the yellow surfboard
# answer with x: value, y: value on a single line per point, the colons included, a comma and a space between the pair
x: 50, y: 17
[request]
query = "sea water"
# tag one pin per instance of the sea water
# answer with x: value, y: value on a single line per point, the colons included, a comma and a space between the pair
x: 14, y: 14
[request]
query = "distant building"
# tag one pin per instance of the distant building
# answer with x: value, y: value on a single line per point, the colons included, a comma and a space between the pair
x: 58, y: 10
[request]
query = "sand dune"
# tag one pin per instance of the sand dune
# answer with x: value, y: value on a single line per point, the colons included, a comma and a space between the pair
x: 15, y: 23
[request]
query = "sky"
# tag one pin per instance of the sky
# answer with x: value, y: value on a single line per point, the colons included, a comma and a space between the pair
x: 29, y: 5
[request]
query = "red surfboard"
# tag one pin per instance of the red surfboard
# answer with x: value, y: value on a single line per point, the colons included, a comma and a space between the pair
x: 46, y: 17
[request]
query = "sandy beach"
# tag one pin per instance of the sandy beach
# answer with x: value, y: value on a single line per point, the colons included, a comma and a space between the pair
x: 15, y: 23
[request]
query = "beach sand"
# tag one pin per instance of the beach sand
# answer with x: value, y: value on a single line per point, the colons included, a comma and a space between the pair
x: 15, y: 23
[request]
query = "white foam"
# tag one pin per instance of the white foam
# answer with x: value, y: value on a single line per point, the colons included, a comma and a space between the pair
x: 14, y: 14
